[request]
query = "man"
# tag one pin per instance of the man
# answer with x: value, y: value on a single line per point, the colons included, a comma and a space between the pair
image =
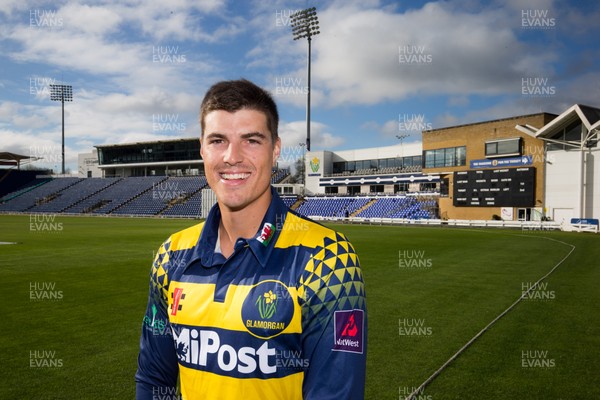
x: 257, y: 302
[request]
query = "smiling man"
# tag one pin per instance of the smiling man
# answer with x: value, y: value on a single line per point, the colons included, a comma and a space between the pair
x: 256, y: 302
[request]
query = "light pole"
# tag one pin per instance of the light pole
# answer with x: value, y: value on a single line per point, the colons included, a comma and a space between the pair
x: 305, y: 24
x: 62, y: 93
x: 303, y: 167
x: 401, y: 138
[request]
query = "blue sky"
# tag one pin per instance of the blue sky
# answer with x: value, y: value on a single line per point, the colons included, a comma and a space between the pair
x: 139, y: 68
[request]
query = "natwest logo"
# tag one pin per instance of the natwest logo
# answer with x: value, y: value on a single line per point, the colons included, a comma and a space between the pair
x: 203, y: 347
x: 349, y: 331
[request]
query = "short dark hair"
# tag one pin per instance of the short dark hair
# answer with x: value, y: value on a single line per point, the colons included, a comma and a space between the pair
x: 240, y: 94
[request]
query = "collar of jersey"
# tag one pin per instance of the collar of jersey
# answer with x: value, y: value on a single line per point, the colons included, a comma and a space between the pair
x: 275, y: 215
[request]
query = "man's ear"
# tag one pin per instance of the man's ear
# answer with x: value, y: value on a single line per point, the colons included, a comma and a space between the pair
x: 276, y: 150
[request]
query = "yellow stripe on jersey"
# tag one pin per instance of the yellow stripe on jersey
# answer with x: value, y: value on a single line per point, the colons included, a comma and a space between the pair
x: 186, y: 239
x: 201, y: 310
x: 295, y: 233
x: 206, y: 385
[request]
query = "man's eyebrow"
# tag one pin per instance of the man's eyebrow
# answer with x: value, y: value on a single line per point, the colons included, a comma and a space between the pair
x: 244, y: 136
x: 254, y: 135
x: 215, y: 135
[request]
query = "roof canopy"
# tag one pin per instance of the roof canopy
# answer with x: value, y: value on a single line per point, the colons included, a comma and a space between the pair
x: 12, y: 159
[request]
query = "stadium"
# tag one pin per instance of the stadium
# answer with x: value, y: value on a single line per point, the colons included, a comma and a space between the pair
x: 515, y: 171
x: 476, y: 283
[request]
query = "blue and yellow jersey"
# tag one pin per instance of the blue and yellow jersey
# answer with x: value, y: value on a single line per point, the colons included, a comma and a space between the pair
x: 284, y: 317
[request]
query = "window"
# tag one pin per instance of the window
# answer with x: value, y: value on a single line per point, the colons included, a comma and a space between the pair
x: 503, y: 148
x: 447, y: 157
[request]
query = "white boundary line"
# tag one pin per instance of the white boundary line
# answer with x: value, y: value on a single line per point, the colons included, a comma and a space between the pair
x: 422, y: 386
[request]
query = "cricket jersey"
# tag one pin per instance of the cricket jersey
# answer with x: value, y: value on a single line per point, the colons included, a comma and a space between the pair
x: 283, y: 317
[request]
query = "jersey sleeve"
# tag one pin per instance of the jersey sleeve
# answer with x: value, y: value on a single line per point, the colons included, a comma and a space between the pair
x: 157, y: 372
x: 334, y: 322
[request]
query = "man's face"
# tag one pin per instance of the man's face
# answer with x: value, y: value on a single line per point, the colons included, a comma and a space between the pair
x: 239, y: 153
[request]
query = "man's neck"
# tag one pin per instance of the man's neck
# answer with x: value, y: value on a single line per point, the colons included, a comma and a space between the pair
x: 243, y: 223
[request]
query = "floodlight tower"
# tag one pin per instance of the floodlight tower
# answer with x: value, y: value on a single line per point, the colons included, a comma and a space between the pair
x: 62, y: 93
x: 303, y: 168
x: 305, y: 24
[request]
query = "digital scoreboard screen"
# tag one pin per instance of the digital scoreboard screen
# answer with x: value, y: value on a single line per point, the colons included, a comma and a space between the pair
x: 505, y: 187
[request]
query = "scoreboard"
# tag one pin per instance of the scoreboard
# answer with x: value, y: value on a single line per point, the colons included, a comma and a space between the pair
x: 505, y: 187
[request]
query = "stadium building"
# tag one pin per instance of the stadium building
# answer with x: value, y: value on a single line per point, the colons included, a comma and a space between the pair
x: 526, y: 168
x: 572, y: 185
x: 383, y: 170
x: 489, y: 170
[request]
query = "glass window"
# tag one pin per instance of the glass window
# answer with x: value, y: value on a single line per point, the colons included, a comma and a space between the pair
x: 573, y: 132
x: 461, y: 155
x: 509, y: 147
x: 491, y: 149
x: 439, y: 157
x: 429, y: 159
x: 450, y: 157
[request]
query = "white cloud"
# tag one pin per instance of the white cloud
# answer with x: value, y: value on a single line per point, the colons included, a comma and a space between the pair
x: 293, y: 133
x: 457, y: 53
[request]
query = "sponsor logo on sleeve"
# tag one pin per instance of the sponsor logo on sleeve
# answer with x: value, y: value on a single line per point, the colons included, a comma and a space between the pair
x: 348, y: 331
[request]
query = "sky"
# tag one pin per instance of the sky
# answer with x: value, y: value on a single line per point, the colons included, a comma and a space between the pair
x: 380, y: 69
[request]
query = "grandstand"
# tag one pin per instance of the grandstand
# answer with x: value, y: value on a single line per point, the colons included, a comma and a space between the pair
x: 182, y: 197
x: 454, y: 174
x: 173, y: 196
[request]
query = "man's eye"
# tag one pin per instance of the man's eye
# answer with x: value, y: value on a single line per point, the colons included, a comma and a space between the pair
x: 215, y: 141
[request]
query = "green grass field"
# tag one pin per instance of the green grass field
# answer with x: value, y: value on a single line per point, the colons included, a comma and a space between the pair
x: 75, y: 292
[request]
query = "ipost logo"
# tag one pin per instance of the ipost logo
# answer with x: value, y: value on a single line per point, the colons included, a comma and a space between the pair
x: 268, y: 309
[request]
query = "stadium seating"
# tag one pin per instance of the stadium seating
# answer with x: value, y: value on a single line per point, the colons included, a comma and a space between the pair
x: 161, y: 195
x: 182, y: 197
x: 279, y: 175
x: 41, y: 193
x: 399, y: 207
x: 331, y: 207
x: 76, y: 193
